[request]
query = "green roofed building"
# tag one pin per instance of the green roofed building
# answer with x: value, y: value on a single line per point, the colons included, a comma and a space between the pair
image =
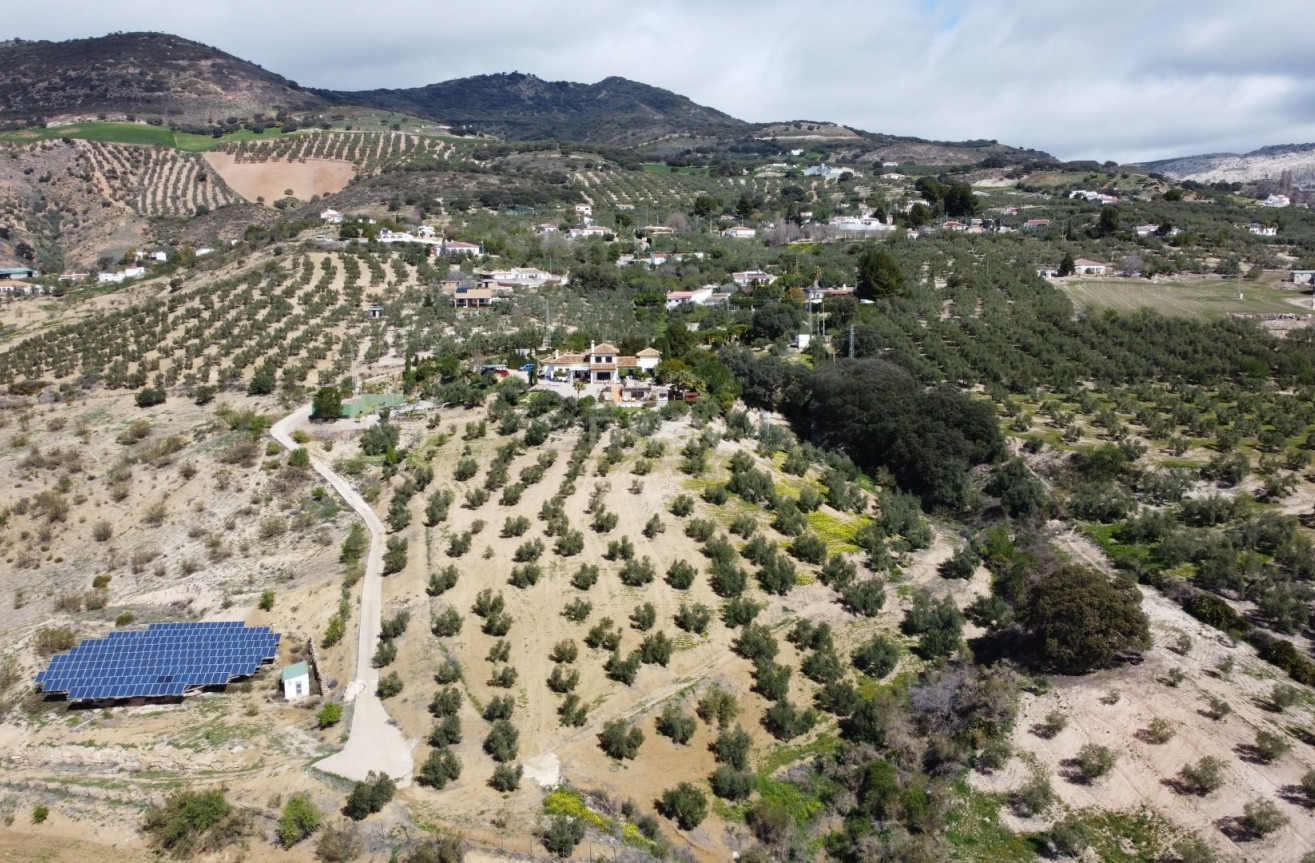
x: 296, y: 681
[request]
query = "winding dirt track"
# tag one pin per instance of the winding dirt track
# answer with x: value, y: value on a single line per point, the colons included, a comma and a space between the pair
x: 374, y: 742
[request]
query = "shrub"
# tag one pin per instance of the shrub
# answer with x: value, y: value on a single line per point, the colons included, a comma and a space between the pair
x: 515, y: 526
x: 785, y: 722
x: 149, y: 397
x: 504, y: 678
x: 731, y: 784
x: 395, y: 555
x: 700, y: 529
x: 1094, y: 761
x: 525, y: 575
x: 440, y: 767
x: 564, y: 651
x: 770, y: 680
x: 569, y: 543
x: 1270, y: 746
x: 694, y: 618
x: 1159, y: 731
x: 446, y: 702
x: 739, y: 611
x: 384, y: 654
x: 502, y: 741
x: 506, y: 778
x: 643, y: 617
x: 1035, y: 796
x: 684, y: 804
x: 877, y: 658
x: 446, y: 623
x: 446, y: 731
x: 727, y: 580
x: 675, y: 724
x: 1261, y: 817
x: 301, y: 817
x: 572, y: 711
x: 585, y: 577
x: 442, y: 581
x: 755, y: 643
x: 682, y: 505
x: 717, y: 706
x: 562, y: 679
x: 655, y: 649
x: 448, y: 672
x: 622, y: 670
x: 809, y: 548
x: 562, y: 835
x: 1204, y: 777
x: 266, y: 600
x: 680, y: 575
x: 637, y: 573
x: 369, y: 796
x: 619, y: 740
x: 1054, y: 723
x: 577, y: 610
x: 389, y: 685
x: 865, y: 598
x: 194, y: 821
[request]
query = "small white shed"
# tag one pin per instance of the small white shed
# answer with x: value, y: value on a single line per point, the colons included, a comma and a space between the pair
x: 296, y: 681
x: 802, y: 341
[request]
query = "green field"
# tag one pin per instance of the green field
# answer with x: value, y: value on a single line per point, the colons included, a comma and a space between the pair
x: 1202, y: 300
x: 135, y: 133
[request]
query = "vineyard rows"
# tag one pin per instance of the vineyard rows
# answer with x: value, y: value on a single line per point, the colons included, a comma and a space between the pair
x: 154, y: 181
x: 367, y: 150
x: 287, y: 322
x: 677, y: 191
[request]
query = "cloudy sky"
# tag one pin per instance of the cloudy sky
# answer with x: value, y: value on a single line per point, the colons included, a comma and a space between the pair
x: 1104, y: 79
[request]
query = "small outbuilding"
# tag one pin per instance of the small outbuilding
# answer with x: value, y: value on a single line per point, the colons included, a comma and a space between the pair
x: 296, y: 681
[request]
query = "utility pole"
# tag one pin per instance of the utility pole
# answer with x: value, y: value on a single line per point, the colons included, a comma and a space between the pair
x: 851, y: 341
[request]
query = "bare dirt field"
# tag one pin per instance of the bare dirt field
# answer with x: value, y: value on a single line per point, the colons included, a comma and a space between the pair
x: 271, y: 180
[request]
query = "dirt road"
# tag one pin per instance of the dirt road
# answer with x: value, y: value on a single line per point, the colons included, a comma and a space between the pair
x: 374, y: 742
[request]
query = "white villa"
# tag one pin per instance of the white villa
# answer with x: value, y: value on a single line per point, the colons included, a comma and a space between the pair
x: 740, y: 232
x: 700, y: 297
x: 119, y: 277
x: 453, y: 248
x: 748, y: 277
x: 332, y: 217
x: 603, y: 364
x: 1083, y: 267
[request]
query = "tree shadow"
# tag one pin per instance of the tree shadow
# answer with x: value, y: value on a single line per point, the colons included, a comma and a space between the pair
x: 1250, y: 754
x: 1071, y: 771
x: 1234, y: 827
x: 1295, y: 795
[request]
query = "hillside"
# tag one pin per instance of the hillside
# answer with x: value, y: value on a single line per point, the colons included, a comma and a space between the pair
x: 138, y: 73
x: 1266, y: 163
x: 524, y: 107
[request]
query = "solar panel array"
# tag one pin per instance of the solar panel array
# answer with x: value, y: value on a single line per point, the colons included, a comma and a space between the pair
x: 163, y: 659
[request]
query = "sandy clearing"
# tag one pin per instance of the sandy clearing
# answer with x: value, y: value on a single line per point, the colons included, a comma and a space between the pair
x: 1138, y: 778
x: 269, y: 180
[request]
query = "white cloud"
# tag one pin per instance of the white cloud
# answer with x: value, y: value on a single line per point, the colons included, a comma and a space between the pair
x: 1116, y: 79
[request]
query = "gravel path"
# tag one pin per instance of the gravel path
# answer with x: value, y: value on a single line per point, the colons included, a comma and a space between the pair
x: 374, y: 742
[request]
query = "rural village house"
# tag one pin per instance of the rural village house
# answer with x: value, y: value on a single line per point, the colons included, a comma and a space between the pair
x: 602, y: 364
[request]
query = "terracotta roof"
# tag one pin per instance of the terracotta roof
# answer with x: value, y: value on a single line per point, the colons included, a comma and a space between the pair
x: 627, y: 362
x: 567, y: 358
x: 605, y: 348
x: 649, y: 352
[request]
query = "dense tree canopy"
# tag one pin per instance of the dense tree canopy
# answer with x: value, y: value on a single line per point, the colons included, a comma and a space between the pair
x: 880, y: 416
x: 1081, y: 620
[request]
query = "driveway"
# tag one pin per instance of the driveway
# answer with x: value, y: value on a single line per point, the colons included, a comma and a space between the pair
x: 373, y: 742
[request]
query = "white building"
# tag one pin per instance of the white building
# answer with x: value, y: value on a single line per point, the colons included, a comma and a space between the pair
x: 159, y: 257
x: 1302, y: 277
x: 121, y: 276
x: 603, y: 364
x: 583, y: 210
x: 332, y: 217
x: 1276, y: 201
x: 860, y: 225
x: 1083, y: 267
x: 296, y: 681
x: 1263, y: 230
x: 740, y: 232
x: 588, y: 231
x: 455, y: 248
x: 701, y: 297
x: 748, y: 277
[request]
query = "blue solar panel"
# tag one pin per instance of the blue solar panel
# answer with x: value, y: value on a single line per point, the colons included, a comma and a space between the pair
x: 163, y: 659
